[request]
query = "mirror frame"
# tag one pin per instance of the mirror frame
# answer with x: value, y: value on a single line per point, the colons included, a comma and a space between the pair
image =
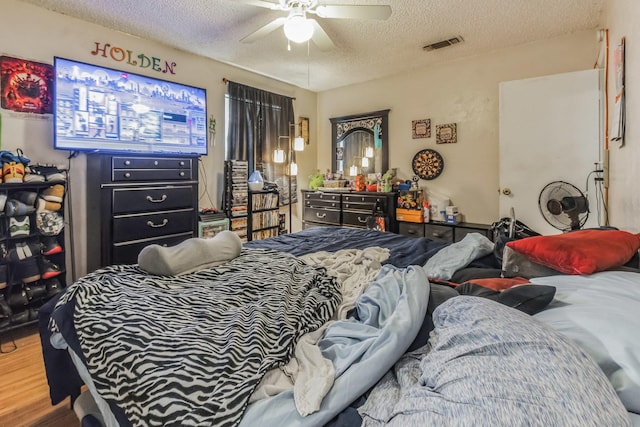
x: 343, y: 126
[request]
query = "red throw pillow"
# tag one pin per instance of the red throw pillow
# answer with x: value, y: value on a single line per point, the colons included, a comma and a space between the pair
x: 498, y: 283
x: 580, y: 252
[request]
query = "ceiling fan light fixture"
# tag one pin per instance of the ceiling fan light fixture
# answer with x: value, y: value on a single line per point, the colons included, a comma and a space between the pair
x: 298, y: 28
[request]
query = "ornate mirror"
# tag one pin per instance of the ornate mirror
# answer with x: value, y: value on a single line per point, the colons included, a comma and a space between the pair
x: 360, y: 143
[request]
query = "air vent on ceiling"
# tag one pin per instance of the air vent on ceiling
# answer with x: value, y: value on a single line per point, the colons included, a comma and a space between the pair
x: 443, y: 43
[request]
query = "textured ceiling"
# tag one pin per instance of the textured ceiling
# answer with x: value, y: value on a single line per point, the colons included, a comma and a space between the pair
x: 364, y: 50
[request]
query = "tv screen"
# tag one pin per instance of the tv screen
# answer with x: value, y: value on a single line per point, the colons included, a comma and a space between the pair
x: 105, y: 110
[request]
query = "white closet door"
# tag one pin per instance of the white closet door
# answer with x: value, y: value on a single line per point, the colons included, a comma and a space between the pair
x: 550, y: 129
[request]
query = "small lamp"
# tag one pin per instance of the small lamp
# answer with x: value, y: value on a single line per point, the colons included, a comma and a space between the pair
x: 278, y: 155
x: 368, y: 152
x: 293, y: 168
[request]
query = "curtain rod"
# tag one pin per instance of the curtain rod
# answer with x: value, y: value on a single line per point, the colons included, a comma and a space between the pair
x: 226, y: 80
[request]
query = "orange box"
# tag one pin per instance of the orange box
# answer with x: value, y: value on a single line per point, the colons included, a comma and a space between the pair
x: 409, y: 215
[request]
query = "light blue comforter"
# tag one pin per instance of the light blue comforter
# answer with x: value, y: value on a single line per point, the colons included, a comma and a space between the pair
x: 390, y: 312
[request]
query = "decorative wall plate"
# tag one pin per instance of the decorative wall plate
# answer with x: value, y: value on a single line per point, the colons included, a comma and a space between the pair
x: 428, y: 164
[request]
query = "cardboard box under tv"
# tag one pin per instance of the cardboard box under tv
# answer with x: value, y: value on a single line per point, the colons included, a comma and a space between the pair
x: 409, y: 215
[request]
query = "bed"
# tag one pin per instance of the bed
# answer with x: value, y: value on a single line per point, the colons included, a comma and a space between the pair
x: 344, y: 326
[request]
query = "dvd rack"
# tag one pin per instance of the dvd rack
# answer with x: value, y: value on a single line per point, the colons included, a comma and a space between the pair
x: 236, y: 195
x: 264, y: 218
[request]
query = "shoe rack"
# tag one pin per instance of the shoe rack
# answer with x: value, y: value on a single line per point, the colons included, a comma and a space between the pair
x: 32, y: 253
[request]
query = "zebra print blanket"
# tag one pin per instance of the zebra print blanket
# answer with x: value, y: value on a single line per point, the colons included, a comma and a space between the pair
x: 190, y: 350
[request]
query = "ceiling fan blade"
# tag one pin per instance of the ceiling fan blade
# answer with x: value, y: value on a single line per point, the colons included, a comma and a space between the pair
x: 381, y: 12
x: 261, y: 3
x: 320, y: 37
x: 261, y: 32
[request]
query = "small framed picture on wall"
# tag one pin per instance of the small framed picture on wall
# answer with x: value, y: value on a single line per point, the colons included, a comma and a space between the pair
x: 303, y: 122
x: 421, y: 128
x: 446, y: 134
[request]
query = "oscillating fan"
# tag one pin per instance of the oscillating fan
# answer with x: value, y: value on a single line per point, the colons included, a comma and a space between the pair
x: 563, y: 205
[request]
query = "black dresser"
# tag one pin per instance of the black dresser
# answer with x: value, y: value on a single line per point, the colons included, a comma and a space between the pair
x: 350, y: 209
x: 137, y: 200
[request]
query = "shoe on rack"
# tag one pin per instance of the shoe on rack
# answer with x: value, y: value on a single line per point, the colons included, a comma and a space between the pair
x: 3, y: 276
x: 50, y: 245
x: 19, y: 317
x: 49, y: 223
x: 5, y: 312
x: 31, y: 175
x: 49, y: 172
x: 53, y: 193
x: 35, y: 290
x: 54, y: 287
x: 49, y: 269
x: 26, y: 197
x: 44, y: 205
x: 15, y: 207
x: 17, y: 297
x: 4, y: 252
x: 33, y: 312
x: 59, y: 175
x: 12, y: 172
x: 19, y: 226
x: 28, y: 270
x: 22, y: 251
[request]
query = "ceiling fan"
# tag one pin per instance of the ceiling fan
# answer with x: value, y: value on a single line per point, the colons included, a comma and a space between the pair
x: 299, y: 28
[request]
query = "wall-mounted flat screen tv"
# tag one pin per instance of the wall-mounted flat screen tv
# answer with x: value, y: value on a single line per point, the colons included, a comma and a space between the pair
x: 105, y: 110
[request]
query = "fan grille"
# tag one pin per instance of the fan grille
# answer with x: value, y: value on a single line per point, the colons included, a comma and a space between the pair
x: 563, y: 206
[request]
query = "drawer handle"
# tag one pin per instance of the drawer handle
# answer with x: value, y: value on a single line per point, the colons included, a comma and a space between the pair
x: 164, y: 222
x: 362, y: 221
x: 437, y: 234
x: 181, y: 173
x: 127, y: 162
x: 319, y: 215
x: 127, y: 175
x: 160, y: 200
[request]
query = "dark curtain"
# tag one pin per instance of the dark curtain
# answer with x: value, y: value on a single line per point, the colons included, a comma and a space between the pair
x: 258, y: 123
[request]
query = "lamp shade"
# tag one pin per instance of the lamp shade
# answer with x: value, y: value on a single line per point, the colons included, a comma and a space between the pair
x: 353, y: 170
x: 278, y: 156
x: 298, y: 28
x: 368, y: 152
x: 365, y: 162
x: 293, y: 169
x: 298, y: 143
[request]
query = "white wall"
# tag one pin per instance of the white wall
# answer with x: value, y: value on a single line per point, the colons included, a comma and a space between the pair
x: 463, y: 92
x: 622, y: 20
x: 30, y: 32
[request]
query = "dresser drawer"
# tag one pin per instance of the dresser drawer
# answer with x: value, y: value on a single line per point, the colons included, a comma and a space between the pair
x: 355, y: 218
x: 312, y: 199
x: 441, y: 233
x: 365, y: 203
x: 127, y: 253
x: 133, y: 175
x: 125, y: 162
x: 328, y: 203
x: 466, y: 228
x: 148, y: 199
x: 411, y: 229
x: 325, y: 216
x: 144, y: 226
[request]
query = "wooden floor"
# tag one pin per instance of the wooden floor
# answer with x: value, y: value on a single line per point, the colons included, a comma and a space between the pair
x: 24, y: 394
